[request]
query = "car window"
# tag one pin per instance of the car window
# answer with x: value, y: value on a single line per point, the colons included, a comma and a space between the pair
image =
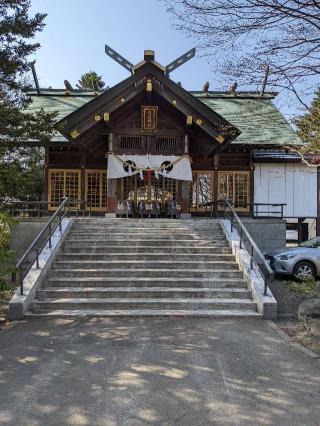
x: 314, y: 242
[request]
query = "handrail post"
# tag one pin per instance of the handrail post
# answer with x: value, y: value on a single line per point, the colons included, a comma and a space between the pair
x: 60, y: 227
x: 21, y: 280
x: 251, y: 260
x: 241, y: 237
x: 50, y: 243
x: 265, y: 293
x: 37, y: 258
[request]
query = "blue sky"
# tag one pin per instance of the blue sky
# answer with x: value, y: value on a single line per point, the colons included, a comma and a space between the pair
x: 76, y: 31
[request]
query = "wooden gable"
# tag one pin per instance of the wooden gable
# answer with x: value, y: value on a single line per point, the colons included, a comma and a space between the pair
x: 89, y: 125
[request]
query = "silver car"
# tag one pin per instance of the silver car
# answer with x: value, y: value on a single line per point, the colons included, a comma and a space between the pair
x: 302, y: 261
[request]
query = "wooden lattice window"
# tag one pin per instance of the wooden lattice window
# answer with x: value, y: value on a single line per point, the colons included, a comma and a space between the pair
x: 96, y: 190
x: 236, y: 187
x: 128, y: 188
x: 62, y: 183
x: 200, y: 190
x: 169, y: 189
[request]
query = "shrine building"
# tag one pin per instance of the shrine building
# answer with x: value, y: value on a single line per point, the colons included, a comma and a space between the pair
x: 147, y: 141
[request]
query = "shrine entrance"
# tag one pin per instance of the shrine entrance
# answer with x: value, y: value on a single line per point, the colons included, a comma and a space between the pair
x: 151, y: 189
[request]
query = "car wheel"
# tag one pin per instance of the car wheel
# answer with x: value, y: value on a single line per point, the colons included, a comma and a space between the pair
x: 304, y: 270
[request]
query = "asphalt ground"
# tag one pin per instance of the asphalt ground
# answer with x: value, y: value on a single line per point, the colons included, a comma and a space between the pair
x: 153, y: 371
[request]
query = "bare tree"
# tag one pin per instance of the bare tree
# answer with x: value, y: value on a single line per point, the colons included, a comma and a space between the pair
x: 244, y: 37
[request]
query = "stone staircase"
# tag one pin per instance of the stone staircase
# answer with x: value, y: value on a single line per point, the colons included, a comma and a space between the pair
x: 144, y: 267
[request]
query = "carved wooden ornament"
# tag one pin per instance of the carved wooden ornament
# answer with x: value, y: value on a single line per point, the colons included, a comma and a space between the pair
x: 149, y: 118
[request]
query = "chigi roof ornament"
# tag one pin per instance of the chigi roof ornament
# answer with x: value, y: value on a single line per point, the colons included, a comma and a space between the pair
x: 149, y: 56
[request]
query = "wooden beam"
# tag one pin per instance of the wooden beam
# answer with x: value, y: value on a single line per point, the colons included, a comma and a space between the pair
x: 91, y: 120
x: 205, y: 125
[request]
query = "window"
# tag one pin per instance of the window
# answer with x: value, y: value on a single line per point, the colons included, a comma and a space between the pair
x: 96, y: 190
x: 200, y: 190
x: 62, y: 183
x: 236, y: 187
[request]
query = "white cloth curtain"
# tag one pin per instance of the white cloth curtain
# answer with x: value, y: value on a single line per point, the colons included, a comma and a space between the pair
x: 181, y: 168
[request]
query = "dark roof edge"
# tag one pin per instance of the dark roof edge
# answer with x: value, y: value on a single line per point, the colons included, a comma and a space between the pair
x: 212, y: 93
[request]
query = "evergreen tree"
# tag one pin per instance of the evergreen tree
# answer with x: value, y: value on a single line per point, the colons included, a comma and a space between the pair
x: 17, y: 125
x: 91, y: 81
x: 309, y: 126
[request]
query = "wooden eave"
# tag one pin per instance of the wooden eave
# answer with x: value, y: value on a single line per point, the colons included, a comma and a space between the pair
x: 88, y: 119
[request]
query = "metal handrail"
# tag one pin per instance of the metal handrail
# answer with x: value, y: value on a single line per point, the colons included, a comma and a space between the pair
x: 38, y: 244
x: 263, y: 265
x: 39, y: 207
x: 257, y: 213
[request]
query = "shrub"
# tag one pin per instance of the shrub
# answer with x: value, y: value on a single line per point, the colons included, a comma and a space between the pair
x: 6, y: 255
x: 305, y: 287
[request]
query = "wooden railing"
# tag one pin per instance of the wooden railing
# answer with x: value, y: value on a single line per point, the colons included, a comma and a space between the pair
x: 149, y: 144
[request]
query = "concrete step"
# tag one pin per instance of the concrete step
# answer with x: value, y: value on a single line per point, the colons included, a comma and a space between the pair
x: 147, y: 273
x: 181, y: 257
x: 175, y: 313
x: 144, y: 221
x: 138, y: 292
x: 144, y: 267
x: 144, y: 242
x: 152, y: 250
x: 144, y: 282
x: 135, y: 230
x: 140, y: 236
x: 141, y: 303
x: 150, y: 264
x: 139, y: 228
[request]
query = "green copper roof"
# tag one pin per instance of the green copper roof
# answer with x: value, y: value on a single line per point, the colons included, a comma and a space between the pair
x: 260, y: 122
x: 58, y: 100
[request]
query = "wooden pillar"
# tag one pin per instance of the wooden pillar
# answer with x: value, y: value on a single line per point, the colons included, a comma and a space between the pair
x: 215, y: 183
x: 302, y: 230
x: 112, y: 183
x: 111, y: 193
x: 46, y: 180
x: 184, y: 196
x: 251, y: 188
x: 185, y: 184
x: 83, y: 181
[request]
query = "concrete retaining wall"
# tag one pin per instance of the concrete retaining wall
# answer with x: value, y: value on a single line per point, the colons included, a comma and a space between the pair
x: 19, y: 304
x: 268, y: 234
x: 266, y: 304
x: 23, y: 234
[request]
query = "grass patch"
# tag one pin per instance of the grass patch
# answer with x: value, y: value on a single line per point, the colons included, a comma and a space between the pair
x: 307, y: 288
